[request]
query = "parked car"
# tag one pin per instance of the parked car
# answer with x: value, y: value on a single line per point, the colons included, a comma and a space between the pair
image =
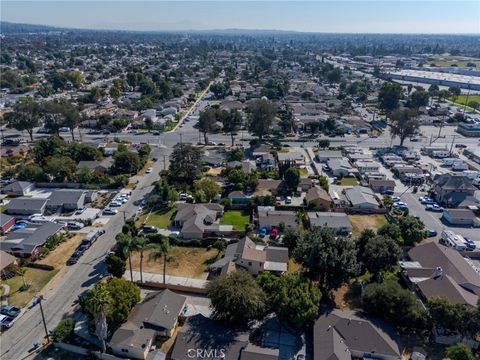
x: 395, y: 198
x: 73, y: 259
x: 262, y: 232
x: 6, y: 322
x: 18, y: 226
x: 431, y: 233
x: 9, y: 310
x: 388, y: 192
x: 274, y: 233
x: 149, y: 170
x: 80, y: 210
x: 75, y: 225
x: 470, y: 244
x: 434, y: 207
x: 278, y: 200
x: 426, y: 200
x: 109, y: 211
x: 288, y: 200
x: 148, y: 229
x: 115, y: 203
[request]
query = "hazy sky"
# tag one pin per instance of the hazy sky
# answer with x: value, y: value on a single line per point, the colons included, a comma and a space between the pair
x: 387, y: 16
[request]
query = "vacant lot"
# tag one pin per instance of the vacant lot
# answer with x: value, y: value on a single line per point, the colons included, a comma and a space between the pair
x: 36, y: 278
x: 160, y: 218
x: 362, y: 222
x: 236, y: 218
x: 183, y: 261
x: 462, y: 98
x: 462, y: 63
x: 58, y: 257
x: 347, y: 182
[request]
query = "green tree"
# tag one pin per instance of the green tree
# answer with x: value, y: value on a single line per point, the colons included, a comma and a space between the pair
x: 209, y: 187
x: 236, y: 298
x: 232, y: 123
x: 418, y: 99
x: 404, y: 124
x: 207, y: 122
x: 115, y: 265
x: 455, y: 92
x: 125, y: 295
x: 220, y: 245
x: 292, y: 297
x: 185, y: 163
x: 292, y: 178
x: 115, y: 92
x: 459, y: 352
x: 261, y: 114
x: 323, y: 143
x: 412, y: 229
x: 63, y: 330
x: 126, y: 162
x: 389, y: 96
x: 323, y: 181
x: 140, y: 244
x: 26, y: 116
x: 161, y: 250
x: 392, y: 231
x: 291, y: 237
x: 60, y: 168
x: 125, y: 247
x: 98, y: 303
x: 331, y: 259
x: 390, y: 301
x: 380, y: 254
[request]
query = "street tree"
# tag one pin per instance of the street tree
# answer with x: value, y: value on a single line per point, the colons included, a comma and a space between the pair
x: 185, y: 163
x: 237, y: 298
x: 232, y: 123
x: 60, y: 168
x: 98, y: 303
x: 392, y: 231
x: 207, y: 122
x: 261, y: 114
x: 26, y: 116
x: 125, y: 247
x: 323, y: 143
x: 404, y: 124
x: 161, y: 250
x: 418, y: 99
x: 115, y: 265
x: 412, y: 229
x: 459, y: 351
x: 126, y: 162
x: 455, y: 92
x: 389, y: 96
x: 329, y: 258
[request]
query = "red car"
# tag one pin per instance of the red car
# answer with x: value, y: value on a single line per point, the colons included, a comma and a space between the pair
x: 274, y: 233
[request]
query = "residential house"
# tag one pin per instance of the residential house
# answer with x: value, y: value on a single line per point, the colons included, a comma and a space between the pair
x: 5, y: 261
x: 66, y: 200
x: 238, y: 198
x: 338, y: 222
x: 271, y: 185
x: 98, y: 166
x: 6, y: 222
x: 253, y: 258
x: 27, y: 242
x: 157, y: 315
x: 361, y: 198
x: 293, y: 157
x: 25, y: 206
x: 18, y: 188
x: 200, y: 220
x: 348, y: 335
x: 305, y: 184
x: 317, y: 198
x: 324, y: 156
x: 380, y: 186
x: 268, y: 218
x: 451, y: 189
x: 339, y: 167
x: 367, y: 166
x: 460, y: 217
x: 437, y: 270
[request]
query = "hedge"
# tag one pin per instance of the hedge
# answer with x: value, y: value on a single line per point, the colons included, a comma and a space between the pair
x: 39, y: 266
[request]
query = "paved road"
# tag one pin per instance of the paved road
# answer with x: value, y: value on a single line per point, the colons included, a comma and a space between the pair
x: 71, y: 281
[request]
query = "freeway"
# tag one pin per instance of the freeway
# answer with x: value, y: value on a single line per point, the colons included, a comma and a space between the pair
x: 72, y: 281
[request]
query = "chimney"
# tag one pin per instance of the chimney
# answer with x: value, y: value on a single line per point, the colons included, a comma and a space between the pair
x: 438, y: 272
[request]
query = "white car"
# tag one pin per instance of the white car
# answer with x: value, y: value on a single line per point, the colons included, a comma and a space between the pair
x: 110, y: 211
x: 121, y: 200
x: 115, y: 204
x: 149, y: 170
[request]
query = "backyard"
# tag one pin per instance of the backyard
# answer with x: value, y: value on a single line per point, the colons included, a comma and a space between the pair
x: 347, y: 182
x: 190, y: 262
x: 36, y: 278
x: 238, y: 219
x: 362, y: 222
x: 161, y: 218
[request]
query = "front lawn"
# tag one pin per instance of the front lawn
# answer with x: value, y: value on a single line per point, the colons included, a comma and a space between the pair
x: 362, y: 222
x: 236, y: 218
x: 347, y: 182
x: 36, y: 278
x: 161, y: 218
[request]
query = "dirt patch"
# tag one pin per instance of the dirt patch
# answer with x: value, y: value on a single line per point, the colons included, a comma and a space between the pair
x: 58, y: 257
x: 214, y: 171
x: 348, y: 296
x: 190, y: 262
x: 362, y: 222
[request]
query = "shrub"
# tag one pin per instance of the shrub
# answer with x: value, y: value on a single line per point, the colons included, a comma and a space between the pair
x: 63, y: 330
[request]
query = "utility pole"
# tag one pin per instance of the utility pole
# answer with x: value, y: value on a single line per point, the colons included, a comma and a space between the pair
x: 40, y: 298
x: 451, y: 146
x: 164, y: 162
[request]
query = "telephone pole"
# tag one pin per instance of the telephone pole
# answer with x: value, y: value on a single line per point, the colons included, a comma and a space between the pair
x: 40, y: 298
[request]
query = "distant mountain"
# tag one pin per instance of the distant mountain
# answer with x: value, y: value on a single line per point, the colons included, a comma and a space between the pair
x: 10, y: 28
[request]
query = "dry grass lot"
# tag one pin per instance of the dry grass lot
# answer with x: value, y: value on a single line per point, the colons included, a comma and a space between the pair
x: 58, y: 257
x: 362, y: 222
x: 183, y: 261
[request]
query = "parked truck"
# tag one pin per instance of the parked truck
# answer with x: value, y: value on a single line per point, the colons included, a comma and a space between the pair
x: 455, y: 241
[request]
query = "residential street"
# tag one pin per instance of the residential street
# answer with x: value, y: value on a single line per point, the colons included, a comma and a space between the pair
x: 71, y: 281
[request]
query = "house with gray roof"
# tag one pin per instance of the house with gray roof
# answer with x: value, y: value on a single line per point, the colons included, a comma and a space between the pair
x: 340, y: 167
x: 18, y: 188
x: 253, y: 257
x: 437, y: 270
x: 197, y: 221
x: 324, y: 156
x: 361, y: 198
x: 27, y: 242
x: 338, y: 222
x: 269, y: 218
x: 451, y: 189
x: 25, y: 206
x: 66, y: 200
x: 98, y: 166
x: 157, y: 315
x: 346, y: 335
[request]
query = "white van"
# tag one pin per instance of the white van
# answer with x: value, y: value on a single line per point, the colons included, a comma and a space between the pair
x: 455, y: 241
x: 41, y: 220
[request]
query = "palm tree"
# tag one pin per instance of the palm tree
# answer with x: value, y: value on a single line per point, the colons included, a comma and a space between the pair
x: 126, y: 245
x: 98, y: 303
x: 161, y: 250
x: 140, y: 244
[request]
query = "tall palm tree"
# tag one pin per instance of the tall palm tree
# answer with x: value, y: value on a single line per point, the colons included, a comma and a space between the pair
x: 98, y: 303
x: 161, y: 250
x: 126, y: 244
x: 140, y: 244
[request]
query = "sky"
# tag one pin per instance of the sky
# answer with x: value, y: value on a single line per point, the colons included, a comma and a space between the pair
x: 342, y: 16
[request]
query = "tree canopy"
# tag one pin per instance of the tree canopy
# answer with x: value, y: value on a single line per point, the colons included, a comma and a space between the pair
x: 261, y: 114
